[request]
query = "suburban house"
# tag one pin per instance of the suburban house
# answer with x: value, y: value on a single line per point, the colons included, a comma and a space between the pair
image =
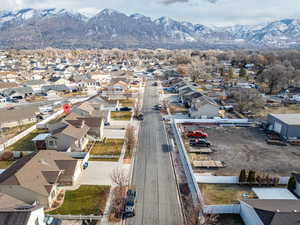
x: 188, y: 97
x: 297, y: 177
x: 55, y: 88
x: 36, y: 85
x: 286, y: 125
x: 89, y: 84
x: 59, y: 81
x: 100, y: 103
x: 94, y: 123
x: 204, y: 107
x: 40, y: 176
x: 18, y: 92
x: 85, y: 109
x: 18, y: 116
x: 14, y: 211
x: 22, y: 216
x: 270, y: 212
x: 7, y: 85
x: 67, y: 137
x: 120, y: 85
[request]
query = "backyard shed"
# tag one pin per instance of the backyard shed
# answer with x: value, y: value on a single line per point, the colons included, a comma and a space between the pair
x: 287, y: 125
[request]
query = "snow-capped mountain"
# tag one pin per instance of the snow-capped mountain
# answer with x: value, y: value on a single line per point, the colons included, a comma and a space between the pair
x: 36, y: 28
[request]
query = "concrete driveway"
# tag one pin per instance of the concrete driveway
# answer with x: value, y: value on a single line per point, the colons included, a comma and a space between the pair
x: 117, y: 129
x: 114, y: 133
x: 119, y: 123
x: 99, y: 173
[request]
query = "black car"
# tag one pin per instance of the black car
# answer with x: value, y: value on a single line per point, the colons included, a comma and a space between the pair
x: 200, y: 143
x: 126, y: 109
x: 140, y: 117
x: 157, y: 107
x: 129, y: 207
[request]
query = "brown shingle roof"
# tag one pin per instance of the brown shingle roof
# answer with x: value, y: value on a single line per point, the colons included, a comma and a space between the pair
x: 18, y: 114
x: 277, y: 212
x: 4, y: 85
x: 76, y: 132
x: 38, y: 170
x: 14, y: 218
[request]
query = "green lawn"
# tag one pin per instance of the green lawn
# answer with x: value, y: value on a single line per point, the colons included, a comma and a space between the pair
x: 231, y: 219
x: 110, y: 147
x: 217, y: 194
x: 87, y: 200
x: 117, y: 115
x: 5, y: 164
x: 25, y: 144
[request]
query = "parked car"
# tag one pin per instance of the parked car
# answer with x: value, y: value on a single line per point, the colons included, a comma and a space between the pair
x: 155, y: 84
x: 129, y: 207
x: 157, y: 107
x: 85, y: 165
x: 125, y: 109
x: 200, y: 143
x: 10, y: 108
x: 197, y: 133
x: 140, y: 116
x: 106, y: 124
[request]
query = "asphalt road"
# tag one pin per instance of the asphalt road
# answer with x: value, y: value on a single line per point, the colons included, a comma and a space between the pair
x: 153, y: 176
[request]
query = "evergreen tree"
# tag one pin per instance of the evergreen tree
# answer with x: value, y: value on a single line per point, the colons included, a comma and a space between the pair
x: 251, y: 176
x: 243, y: 176
x: 292, y: 183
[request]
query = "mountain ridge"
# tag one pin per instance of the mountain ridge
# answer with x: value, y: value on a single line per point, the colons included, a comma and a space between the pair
x: 62, y: 28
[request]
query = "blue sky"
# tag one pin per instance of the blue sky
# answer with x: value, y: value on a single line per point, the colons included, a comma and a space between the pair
x: 208, y: 12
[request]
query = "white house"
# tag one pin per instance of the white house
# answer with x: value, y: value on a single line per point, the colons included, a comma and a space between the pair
x: 297, y: 190
x: 270, y: 212
x: 22, y: 216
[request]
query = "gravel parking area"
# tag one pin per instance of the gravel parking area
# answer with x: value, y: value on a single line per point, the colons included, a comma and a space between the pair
x: 245, y: 148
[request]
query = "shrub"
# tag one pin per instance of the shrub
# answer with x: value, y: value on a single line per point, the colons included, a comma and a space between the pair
x: 251, y: 176
x: 243, y: 176
x: 292, y: 183
x: 7, y: 156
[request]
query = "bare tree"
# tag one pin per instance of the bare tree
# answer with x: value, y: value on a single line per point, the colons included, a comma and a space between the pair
x: 197, y: 71
x: 119, y: 177
x: 248, y: 100
x: 276, y: 77
x: 130, y: 139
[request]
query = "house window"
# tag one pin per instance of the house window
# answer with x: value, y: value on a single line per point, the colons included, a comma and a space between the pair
x: 52, y: 143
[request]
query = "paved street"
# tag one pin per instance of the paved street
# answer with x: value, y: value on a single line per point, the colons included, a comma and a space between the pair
x: 157, y: 201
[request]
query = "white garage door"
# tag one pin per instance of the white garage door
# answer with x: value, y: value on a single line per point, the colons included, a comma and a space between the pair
x: 277, y: 127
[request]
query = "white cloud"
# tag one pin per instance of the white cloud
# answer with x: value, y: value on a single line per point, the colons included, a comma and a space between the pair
x: 89, y: 12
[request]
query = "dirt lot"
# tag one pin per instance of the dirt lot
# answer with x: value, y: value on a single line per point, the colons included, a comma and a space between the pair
x: 245, y: 148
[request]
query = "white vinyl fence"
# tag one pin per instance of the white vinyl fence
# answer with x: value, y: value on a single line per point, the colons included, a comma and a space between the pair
x: 18, y: 137
x: 227, y: 179
x: 216, y: 179
x: 222, y: 209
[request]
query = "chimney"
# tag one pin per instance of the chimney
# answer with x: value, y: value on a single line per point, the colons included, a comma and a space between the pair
x: 82, y: 123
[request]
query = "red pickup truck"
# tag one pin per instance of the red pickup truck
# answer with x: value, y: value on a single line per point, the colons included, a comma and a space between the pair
x: 197, y: 133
